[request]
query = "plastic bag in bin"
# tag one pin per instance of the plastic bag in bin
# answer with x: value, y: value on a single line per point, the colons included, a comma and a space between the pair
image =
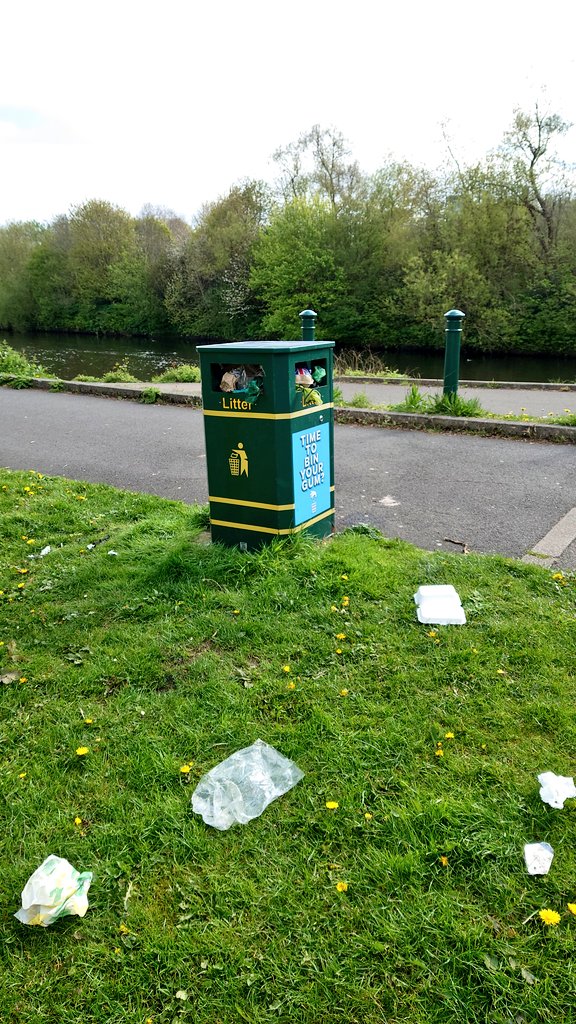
x: 241, y: 787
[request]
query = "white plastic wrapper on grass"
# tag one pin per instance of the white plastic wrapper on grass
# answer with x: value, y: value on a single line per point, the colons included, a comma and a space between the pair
x: 55, y: 890
x: 555, y: 789
x: 242, y: 786
x: 439, y: 605
x: 538, y: 858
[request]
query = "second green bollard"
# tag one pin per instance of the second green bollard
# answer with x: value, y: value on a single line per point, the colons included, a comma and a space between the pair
x: 453, y: 335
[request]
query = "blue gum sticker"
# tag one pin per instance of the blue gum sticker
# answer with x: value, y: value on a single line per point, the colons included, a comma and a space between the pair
x: 311, y: 466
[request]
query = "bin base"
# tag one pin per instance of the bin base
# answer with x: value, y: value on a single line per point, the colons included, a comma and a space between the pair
x: 254, y: 539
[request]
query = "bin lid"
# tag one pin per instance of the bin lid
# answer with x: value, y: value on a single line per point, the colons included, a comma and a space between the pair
x: 269, y: 347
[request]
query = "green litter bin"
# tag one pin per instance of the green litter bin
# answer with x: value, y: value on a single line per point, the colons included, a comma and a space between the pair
x: 269, y: 426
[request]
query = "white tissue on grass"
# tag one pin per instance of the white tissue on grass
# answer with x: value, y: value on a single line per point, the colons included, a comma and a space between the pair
x: 54, y: 890
x: 538, y: 858
x: 439, y: 605
x: 555, y: 789
x: 241, y: 787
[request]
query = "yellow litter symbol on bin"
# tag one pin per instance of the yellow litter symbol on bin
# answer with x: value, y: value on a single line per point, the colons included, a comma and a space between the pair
x: 238, y: 461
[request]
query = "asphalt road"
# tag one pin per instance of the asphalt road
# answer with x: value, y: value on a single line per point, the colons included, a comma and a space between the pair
x: 492, y: 494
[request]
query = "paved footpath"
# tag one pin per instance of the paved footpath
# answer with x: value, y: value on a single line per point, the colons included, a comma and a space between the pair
x: 437, y: 490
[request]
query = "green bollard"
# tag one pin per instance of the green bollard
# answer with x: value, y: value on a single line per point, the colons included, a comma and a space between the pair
x: 308, y: 322
x: 453, y: 334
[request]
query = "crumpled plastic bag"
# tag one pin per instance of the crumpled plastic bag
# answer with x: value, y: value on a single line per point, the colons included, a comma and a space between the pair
x: 54, y: 890
x: 555, y: 789
x: 439, y: 605
x: 538, y: 858
x: 241, y: 787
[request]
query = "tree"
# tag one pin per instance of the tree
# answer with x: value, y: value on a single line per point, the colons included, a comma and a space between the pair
x: 18, y: 242
x: 317, y: 164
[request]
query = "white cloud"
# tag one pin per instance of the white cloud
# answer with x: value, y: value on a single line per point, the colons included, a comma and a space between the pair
x: 172, y: 103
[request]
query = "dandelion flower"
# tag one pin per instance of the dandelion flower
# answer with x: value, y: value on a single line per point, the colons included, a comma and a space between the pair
x: 30, y: 540
x: 123, y: 929
x: 20, y: 586
x: 23, y: 679
x: 344, y: 692
x: 448, y: 735
x: 439, y: 752
x: 338, y: 650
x: 77, y: 820
x: 558, y: 576
x: 549, y: 916
x: 345, y: 602
x: 432, y: 632
x: 344, y: 576
x: 332, y: 805
x: 500, y: 672
x: 444, y: 861
x: 571, y: 908
x: 185, y: 768
x: 290, y: 686
x: 342, y: 886
x: 236, y: 611
x: 22, y: 571
x: 22, y: 775
x: 368, y: 816
x: 88, y: 721
x: 285, y: 668
x: 339, y: 636
x: 117, y: 950
x: 82, y: 751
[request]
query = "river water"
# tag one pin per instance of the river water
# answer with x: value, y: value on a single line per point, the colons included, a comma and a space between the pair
x: 67, y: 355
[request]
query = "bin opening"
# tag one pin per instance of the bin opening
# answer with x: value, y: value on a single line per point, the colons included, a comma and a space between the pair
x: 307, y: 377
x: 246, y: 379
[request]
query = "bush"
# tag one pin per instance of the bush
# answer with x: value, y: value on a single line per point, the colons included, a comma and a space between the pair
x: 184, y: 374
x: 120, y: 374
x: 12, y: 362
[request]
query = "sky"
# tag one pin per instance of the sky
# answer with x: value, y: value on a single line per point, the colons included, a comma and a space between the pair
x: 172, y: 103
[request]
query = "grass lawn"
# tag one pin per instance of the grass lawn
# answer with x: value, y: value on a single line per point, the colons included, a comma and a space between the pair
x: 173, y: 653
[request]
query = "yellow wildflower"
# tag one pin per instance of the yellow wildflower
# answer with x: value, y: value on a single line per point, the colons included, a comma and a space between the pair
x: 432, y: 632
x: 571, y: 908
x: 290, y: 686
x: 332, y: 805
x: 549, y: 916
x: 77, y: 820
x: 558, y: 576
x: 22, y: 571
x: 344, y: 576
x: 22, y: 775
x: 448, y: 735
x: 82, y: 751
x: 185, y: 768
x: 80, y: 497
x: 439, y: 752
x: 344, y: 692
x: 124, y: 930
x: 285, y: 668
x: 338, y: 650
x: 117, y: 950
x: 339, y: 636
x: 333, y: 608
x: 474, y: 650
x: 368, y: 816
x: 500, y: 672
x: 444, y: 861
x: 236, y: 611
x: 20, y: 586
x: 345, y: 602
x: 23, y: 679
x: 342, y: 886
x: 31, y: 541
x: 88, y: 721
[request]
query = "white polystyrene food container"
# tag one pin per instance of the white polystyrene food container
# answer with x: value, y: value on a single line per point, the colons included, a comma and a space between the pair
x: 439, y: 606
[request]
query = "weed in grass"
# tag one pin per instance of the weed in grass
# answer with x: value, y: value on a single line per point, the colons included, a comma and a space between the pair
x: 185, y: 373
x: 359, y: 401
x: 438, y: 404
x: 407, y: 901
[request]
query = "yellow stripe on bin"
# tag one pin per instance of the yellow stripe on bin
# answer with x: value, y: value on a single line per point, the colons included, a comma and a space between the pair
x: 232, y: 414
x: 251, y: 504
x: 268, y: 529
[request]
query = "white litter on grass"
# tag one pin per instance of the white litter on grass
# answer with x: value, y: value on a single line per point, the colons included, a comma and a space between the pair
x: 54, y: 890
x: 555, y: 789
x: 439, y: 605
x: 241, y: 787
x: 112, y: 552
x: 41, y: 554
x: 538, y: 858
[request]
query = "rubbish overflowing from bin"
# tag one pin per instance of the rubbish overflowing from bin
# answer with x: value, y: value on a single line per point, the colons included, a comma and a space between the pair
x: 247, y: 380
x: 306, y: 378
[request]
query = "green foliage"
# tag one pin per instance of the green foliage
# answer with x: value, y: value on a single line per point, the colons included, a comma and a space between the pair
x: 57, y: 385
x: 149, y: 396
x: 439, y: 404
x: 170, y: 655
x: 18, y: 381
x: 183, y: 374
x: 120, y: 374
x: 12, y: 362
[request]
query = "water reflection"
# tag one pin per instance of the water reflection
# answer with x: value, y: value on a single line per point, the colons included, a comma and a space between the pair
x: 68, y: 355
